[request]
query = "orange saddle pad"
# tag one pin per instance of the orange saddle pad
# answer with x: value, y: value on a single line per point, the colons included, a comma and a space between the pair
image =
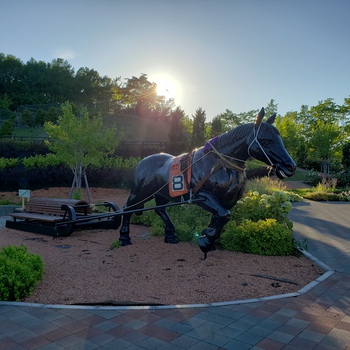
x: 180, y: 175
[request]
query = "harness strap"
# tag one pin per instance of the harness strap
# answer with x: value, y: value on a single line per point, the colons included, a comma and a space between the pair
x: 257, y: 141
x: 218, y: 165
x: 222, y: 162
x: 226, y: 161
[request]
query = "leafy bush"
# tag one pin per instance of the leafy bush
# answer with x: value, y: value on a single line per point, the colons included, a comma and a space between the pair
x: 264, y: 237
x: 326, y: 182
x: 120, y: 163
x: 323, y: 196
x: 38, y: 171
x: 266, y: 185
x: 259, y: 225
x: 41, y: 161
x: 257, y: 207
x: 313, y: 177
x: 344, y: 196
x: 343, y: 177
x: 5, y: 202
x: 8, y: 162
x: 188, y: 220
x: 21, y: 149
x: 19, y: 272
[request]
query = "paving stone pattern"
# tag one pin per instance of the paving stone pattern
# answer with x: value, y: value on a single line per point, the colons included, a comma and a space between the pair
x: 318, y: 319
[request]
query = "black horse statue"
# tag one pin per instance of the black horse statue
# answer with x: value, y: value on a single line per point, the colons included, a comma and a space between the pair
x: 217, y: 177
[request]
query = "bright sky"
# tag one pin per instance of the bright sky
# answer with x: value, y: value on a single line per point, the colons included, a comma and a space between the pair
x: 213, y: 54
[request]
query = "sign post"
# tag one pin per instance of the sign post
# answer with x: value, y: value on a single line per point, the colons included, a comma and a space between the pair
x: 23, y: 194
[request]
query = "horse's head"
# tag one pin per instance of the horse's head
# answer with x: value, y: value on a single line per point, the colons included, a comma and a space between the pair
x: 265, y: 144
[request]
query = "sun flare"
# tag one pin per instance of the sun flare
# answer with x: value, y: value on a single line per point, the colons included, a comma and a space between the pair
x: 166, y: 86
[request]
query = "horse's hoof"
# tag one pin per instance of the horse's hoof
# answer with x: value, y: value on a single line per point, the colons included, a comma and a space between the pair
x: 171, y: 240
x: 125, y: 242
x: 205, y: 245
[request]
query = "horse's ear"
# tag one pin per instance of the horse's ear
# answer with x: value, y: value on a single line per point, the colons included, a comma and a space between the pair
x: 272, y: 119
x: 260, y: 116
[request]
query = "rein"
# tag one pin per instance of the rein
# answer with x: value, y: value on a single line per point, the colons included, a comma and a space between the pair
x: 218, y: 165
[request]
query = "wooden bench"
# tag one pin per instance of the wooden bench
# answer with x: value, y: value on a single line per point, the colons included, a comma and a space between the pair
x: 53, y: 209
x: 59, y: 217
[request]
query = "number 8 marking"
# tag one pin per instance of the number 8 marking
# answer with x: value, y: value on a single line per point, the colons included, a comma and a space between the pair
x: 178, y: 183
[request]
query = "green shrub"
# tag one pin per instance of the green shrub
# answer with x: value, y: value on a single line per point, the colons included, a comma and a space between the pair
x: 8, y: 162
x: 5, y: 202
x: 120, y: 162
x: 266, y: 185
x: 41, y: 161
x: 19, y: 272
x: 191, y: 219
x: 188, y: 219
x: 322, y: 196
x: 264, y: 237
x: 344, y: 196
x: 257, y: 207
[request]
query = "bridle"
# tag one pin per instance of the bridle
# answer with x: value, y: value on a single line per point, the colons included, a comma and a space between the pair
x: 256, y: 133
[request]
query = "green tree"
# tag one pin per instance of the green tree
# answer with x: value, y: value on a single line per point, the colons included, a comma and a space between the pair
x: 216, y: 127
x: 5, y: 102
x: 177, y: 135
x: 52, y: 114
x: 62, y: 74
x: 12, y: 79
x: 92, y: 89
x: 229, y: 119
x: 198, y: 134
x: 325, y: 132
x: 37, y: 82
x: 140, y: 95
x: 40, y: 117
x: 271, y: 108
x: 27, y: 119
x: 346, y: 155
x: 325, y: 143
x: 291, y: 133
x: 7, y: 127
x: 80, y: 141
x: 315, y: 135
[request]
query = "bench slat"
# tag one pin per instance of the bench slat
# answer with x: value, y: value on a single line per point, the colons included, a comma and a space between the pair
x: 50, y: 209
x: 40, y: 217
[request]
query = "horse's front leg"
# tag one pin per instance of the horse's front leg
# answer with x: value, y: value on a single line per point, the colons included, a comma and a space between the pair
x: 219, y: 219
x: 170, y: 236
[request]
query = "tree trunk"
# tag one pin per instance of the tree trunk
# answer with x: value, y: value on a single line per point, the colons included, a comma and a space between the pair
x: 79, y: 176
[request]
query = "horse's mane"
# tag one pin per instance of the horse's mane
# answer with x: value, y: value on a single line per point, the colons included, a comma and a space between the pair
x: 233, y: 135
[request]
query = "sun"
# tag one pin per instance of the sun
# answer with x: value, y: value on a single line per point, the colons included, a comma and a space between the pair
x: 166, y: 86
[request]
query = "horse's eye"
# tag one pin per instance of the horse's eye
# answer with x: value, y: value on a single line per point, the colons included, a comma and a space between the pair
x: 265, y: 143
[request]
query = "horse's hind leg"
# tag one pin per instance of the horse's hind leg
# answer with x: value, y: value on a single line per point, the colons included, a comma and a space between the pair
x: 170, y: 236
x: 124, y: 237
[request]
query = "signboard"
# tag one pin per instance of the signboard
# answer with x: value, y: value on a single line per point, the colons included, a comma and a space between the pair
x: 24, y: 193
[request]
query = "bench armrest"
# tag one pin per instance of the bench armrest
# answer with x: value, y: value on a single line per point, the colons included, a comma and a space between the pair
x: 69, y: 210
